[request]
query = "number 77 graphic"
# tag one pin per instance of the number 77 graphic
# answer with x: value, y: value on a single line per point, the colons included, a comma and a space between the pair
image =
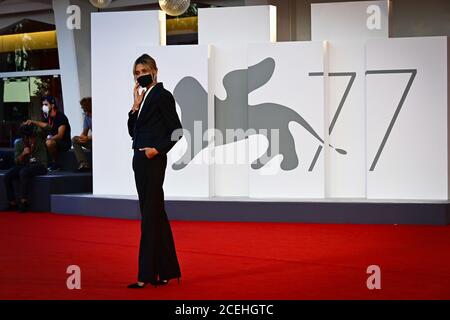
x: 413, y: 73
x: 352, y: 76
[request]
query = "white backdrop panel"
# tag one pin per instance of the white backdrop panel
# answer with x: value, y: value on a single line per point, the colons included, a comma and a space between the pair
x: 229, y: 30
x: 346, y: 37
x: 114, y: 37
x: 291, y: 101
x: 407, y: 146
x: 184, y: 72
x: 346, y: 174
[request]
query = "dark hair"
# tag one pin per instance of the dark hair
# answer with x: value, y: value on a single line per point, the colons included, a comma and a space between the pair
x: 86, y: 104
x: 26, y: 130
x: 51, y: 100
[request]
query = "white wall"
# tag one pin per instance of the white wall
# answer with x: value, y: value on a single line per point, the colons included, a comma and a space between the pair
x: 346, y: 37
x: 290, y: 92
x: 175, y: 63
x: 346, y: 110
x: 229, y: 30
x: 414, y: 161
x: 114, y: 39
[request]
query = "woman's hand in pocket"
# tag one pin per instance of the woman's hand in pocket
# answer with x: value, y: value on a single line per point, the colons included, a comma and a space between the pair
x: 149, y: 152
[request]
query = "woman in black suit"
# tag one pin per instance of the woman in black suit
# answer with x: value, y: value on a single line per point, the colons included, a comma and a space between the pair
x: 155, y: 127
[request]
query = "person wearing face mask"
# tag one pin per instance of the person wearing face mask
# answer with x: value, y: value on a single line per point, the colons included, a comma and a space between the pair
x: 84, y: 140
x: 59, y: 138
x: 154, y: 127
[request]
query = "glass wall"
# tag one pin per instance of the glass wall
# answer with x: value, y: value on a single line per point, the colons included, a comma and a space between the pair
x: 28, y: 45
x: 183, y: 29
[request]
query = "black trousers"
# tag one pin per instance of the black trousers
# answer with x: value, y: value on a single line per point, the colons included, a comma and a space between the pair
x: 23, y: 173
x: 157, y: 255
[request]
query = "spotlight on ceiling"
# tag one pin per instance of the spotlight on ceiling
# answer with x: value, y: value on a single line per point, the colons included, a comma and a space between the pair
x: 101, y: 4
x: 174, y: 7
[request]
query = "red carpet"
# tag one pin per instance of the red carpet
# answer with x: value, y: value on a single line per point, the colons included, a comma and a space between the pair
x: 223, y: 260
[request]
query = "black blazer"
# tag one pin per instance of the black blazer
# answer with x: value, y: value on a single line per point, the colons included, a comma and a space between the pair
x: 156, y: 122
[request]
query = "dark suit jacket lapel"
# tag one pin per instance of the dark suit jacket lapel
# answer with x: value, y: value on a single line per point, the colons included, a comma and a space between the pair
x: 148, y: 103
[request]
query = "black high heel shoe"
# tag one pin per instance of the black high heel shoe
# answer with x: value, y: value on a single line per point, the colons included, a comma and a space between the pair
x: 163, y: 282
x: 160, y: 282
x: 137, y: 285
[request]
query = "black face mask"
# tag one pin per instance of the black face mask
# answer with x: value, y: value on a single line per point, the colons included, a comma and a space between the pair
x: 145, y: 80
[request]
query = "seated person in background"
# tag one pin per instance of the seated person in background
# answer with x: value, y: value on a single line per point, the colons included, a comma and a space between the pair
x: 30, y: 158
x: 58, y: 140
x: 84, y: 139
